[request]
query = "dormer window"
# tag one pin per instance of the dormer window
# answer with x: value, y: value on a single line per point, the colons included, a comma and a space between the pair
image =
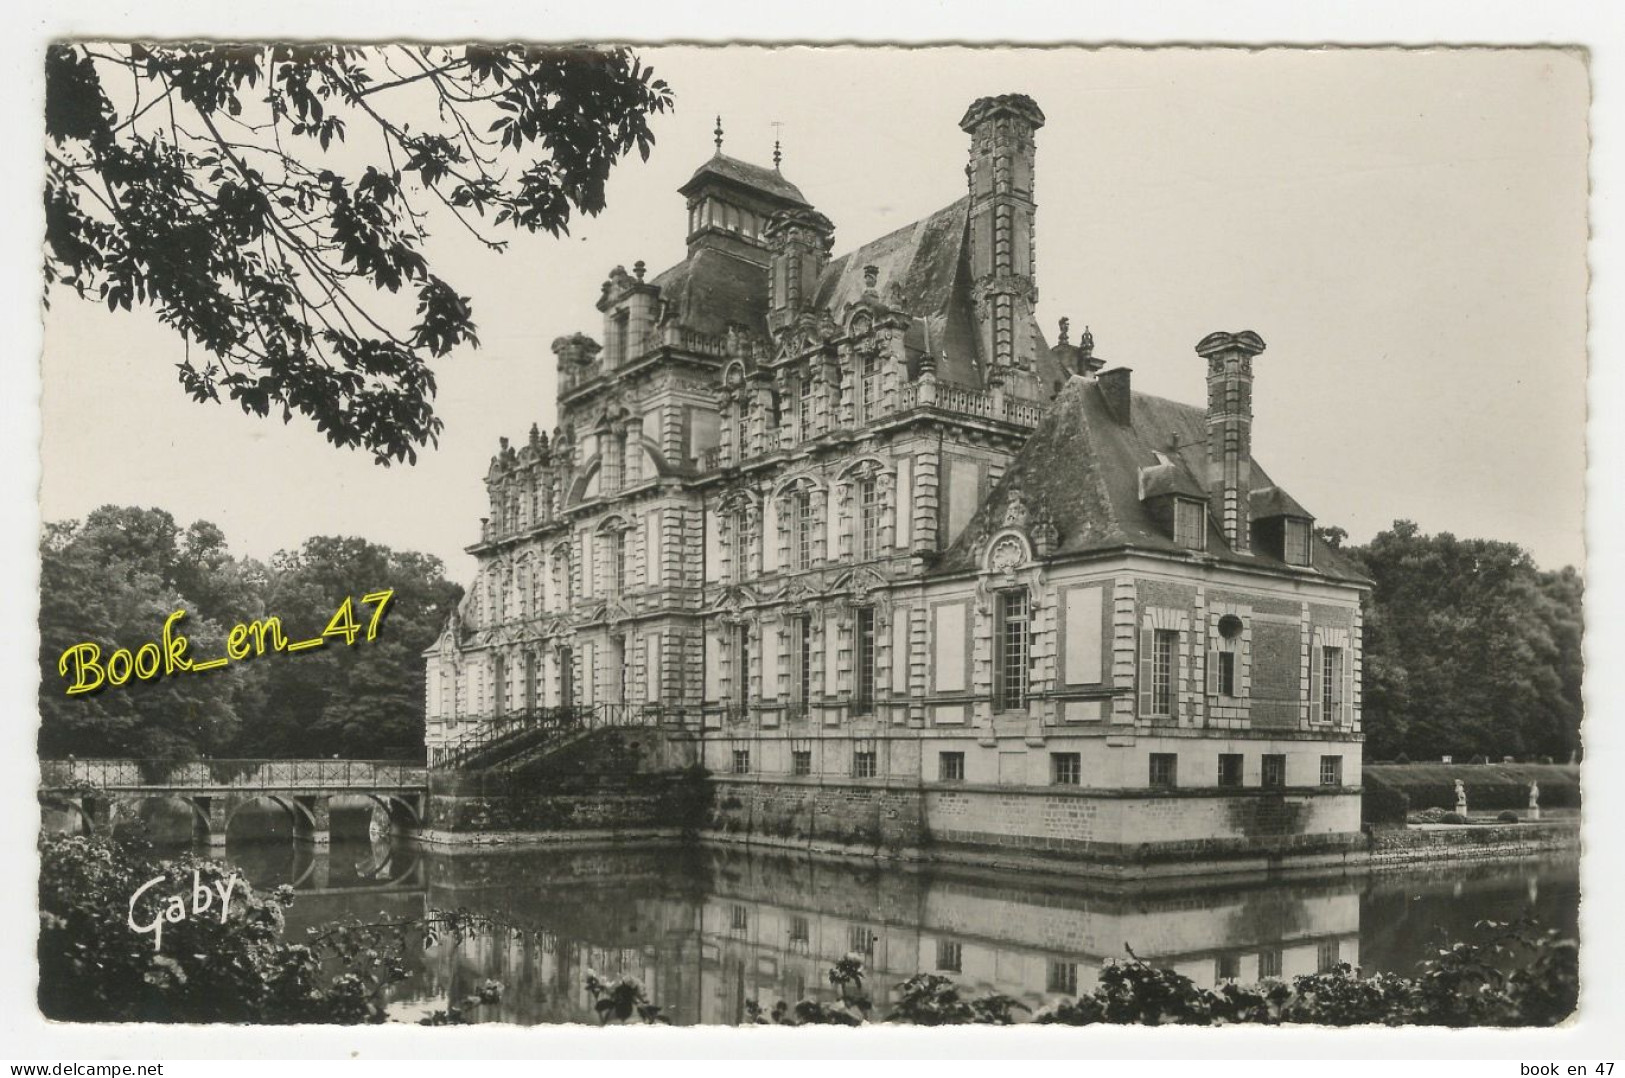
x: 1296, y: 542
x: 1190, y: 524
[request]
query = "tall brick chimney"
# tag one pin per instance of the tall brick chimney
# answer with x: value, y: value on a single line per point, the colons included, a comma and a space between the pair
x: 1230, y: 431
x: 1003, y: 264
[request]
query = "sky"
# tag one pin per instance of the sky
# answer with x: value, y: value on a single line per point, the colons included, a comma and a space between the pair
x: 1405, y: 229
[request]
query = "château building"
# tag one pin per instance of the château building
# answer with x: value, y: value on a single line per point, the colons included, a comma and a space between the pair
x: 859, y: 532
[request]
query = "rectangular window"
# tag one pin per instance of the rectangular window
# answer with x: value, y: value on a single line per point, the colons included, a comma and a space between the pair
x: 1011, y: 644
x: 741, y: 761
x: 567, y: 678
x: 803, y: 659
x: 863, y: 764
x: 799, y: 931
x: 868, y: 519
x: 1269, y: 963
x: 1327, y: 956
x: 1190, y: 524
x: 1331, y: 684
x: 863, y: 677
x: 740, y: 919
x: 801, y: 524
x: 1229, y: 769
x: 804, y: 403
x: 869, y: 387
x: 862, y: 940
x: 1063, y: 978
x: 1065, y: 768
x: 1164, y: 770
x: 801, y: 762
x: 950, y: 957
x: 1227, y: 673
x: 499, y: 681
x: 617, y: 562
x: 1296, y: 542
x: 1331, y: 771
x: 531, y: 689
x: 1164, y: 645
x: 741, y: 671
x: 951, y: 766
x: 1274, y: 770
x: 1227, y: 967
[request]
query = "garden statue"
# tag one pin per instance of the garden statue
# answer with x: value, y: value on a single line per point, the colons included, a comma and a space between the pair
x: 1461, y: 798
x: 1534, y: 800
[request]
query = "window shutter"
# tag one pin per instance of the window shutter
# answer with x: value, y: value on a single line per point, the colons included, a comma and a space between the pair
x: 1213, y: 672
x: 1317, y: 681
x: 1146, y: 649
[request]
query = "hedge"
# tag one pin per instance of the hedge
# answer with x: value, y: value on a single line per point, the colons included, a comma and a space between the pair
x: 1490, y: 787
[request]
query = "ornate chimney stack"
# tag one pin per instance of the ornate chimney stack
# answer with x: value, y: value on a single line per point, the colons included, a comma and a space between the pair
x: 1003, y: 266
x: 1230, y: 431
x: 798, y: 243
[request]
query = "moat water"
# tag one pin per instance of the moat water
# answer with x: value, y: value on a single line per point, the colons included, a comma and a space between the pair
x: 707, y: 929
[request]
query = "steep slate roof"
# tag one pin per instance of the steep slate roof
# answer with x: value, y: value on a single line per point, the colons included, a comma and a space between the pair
x: 1082, y: 466
x: 714, y: 288
x: 733, y: 170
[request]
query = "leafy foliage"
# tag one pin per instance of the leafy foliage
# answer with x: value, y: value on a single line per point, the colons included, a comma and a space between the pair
x: 622, y: 1000
x: 113, y: 580
x: 220, y: 185
x: 1469, y: 649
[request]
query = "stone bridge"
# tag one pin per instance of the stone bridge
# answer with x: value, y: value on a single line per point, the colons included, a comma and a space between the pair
x: 98, y: 791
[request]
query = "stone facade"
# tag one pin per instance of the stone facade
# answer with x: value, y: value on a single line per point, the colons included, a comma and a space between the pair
x: 911, y: 575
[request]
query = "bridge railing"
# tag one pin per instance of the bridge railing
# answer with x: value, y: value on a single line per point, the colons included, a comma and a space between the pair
x: 232, y: 774
x: 488, y: 735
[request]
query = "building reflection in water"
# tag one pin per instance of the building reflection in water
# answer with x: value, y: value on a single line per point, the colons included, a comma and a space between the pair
x: 707, y: 930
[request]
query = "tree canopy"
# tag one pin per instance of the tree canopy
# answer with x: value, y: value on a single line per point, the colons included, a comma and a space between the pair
x: 230, y: 189
x: 114, y: 578
x: 1470, y: 649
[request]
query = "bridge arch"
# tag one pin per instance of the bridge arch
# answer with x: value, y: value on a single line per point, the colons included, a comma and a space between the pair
x: 75, y: 810
x: 300, y: 816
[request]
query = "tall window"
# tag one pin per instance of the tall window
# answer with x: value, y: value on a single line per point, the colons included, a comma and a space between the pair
x: 499, y: 676
x: 618, y: 344
x: 863, y: 763
x: 1190, y: 524
x: 744, y: 532
x: 741, y: 761
x: 804, y: 403
x: 864, y: 675
x: 1229, y: 769
x: 1164, y: 643
x: 567, y: 678
x: 1296, y: 540
x: 617, y: 656
x: 616, y: 542
x: 868, y: 519
x: 1011, y: 643
x: 741, y: 684
x: 801, y: 762
x: 801, y: 530
x: 1227, y: 673
x: 614, y: 466
x: 869, y: 386
x: 1331, y: 684
x: 530, y: 681
x: 801, y: 631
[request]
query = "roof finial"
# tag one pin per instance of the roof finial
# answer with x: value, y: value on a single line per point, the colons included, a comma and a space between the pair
x: 1065, y: 325
x: 777, y: 131
x: 718, y: 133
x: 1086, y: 344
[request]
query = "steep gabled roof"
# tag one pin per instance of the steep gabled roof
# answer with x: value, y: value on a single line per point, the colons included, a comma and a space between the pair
x: 1081, y: 468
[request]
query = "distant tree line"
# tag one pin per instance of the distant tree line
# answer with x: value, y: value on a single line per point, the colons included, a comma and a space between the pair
x: 114, y: 577
x: 1470, y: 649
